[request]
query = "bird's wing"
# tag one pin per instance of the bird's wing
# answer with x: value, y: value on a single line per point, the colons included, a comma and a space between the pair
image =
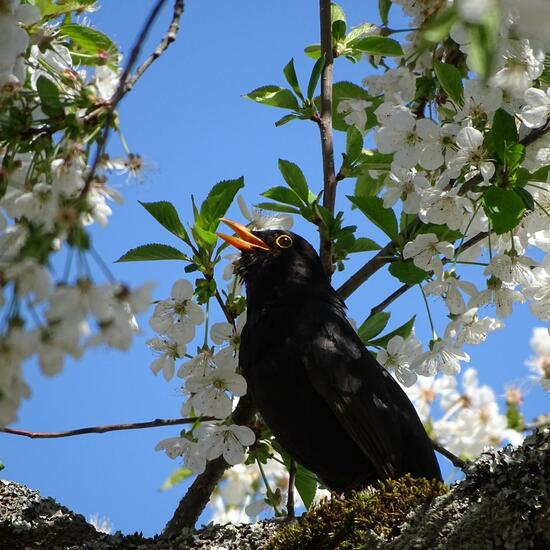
x: 357, y: 389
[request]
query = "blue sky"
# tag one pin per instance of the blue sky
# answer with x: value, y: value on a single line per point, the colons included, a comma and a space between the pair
x: 187, y: 118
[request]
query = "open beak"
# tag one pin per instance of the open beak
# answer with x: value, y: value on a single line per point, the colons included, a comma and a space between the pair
x: 246, y: 240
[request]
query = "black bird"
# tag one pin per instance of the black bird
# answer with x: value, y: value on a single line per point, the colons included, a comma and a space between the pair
x: 326, y: 399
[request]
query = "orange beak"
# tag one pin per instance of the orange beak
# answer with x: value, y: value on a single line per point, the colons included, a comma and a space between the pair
x: 246, y: 240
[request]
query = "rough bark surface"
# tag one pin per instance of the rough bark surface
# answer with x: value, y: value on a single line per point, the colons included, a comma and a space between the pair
x: 504, y: 502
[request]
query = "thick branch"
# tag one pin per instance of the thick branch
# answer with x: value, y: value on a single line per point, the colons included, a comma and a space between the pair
x: 192, y: 504
x: 109, y: 428
x: 368, y: 270
x: 325, y: 128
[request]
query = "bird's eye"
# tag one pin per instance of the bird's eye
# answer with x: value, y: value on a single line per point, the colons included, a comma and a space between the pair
x: 283, y: 241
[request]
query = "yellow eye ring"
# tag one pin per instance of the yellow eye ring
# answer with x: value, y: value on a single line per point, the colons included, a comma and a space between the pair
x: 283, y: 241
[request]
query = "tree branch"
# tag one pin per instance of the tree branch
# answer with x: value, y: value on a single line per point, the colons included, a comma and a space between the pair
x: 456, y: 461
x: 109, y: 428
x: 164, y: 44
x: 325, y: 128
x: 192, y: 504
x: 125, y: 80
x: 402, y: 289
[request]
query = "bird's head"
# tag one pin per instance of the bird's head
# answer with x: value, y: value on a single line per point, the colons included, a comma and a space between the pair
x: 275, y: 258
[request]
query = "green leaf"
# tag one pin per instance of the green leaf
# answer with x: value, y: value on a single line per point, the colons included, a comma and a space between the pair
x: 49, y: 97
x: 373, y: 160
x: 338, y: 30
x: 483, y: 45
x: 294, y: 178
x: 89, y: 46
x: 526, y: 197
x: 504, y: 208
x: 50, y: 9
x: 315, y: 75
x: 354, y: 143
x: 373, y: 326
x: 336, y: 13
x: 203, y: 235
x: 305, y: 481
x: 166, y: 214
x: 218, y: 201
x: 150, y: 252
x: 175, y: 478
x: 450, y: 79
x: 438, y: 28
x: 514, y: 155
x: 407, y: 272
x: 313, y: 51
x: 404, y: 331
x: 274, y: 96
x: 358, y: 31
x: 290, y: 75
x: 284, y: 195
x: 384, y: 10
x: 502, y: 133
x: 274, y: 207
x: 373, y: 208
x: 377, y: 45
x: 362, y: 244
x: 442, y: 232
x: 348, y: 90
x: 285, y: 119
x: 367, y: 186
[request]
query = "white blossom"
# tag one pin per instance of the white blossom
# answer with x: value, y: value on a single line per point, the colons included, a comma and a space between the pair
x: 442, y: 357
x: 355, y: 112
x: 540, y: 363
x: 536, y: 109
x: 471, y: 154
x: 425, y: 250
x: 468, y: 328
x: 260, y: 220
x: 398, y: 356
x: 501, y: 295
x: 406, y: 185
x: 449, y: 286
x: 177, y: 316
x: 228, y: 441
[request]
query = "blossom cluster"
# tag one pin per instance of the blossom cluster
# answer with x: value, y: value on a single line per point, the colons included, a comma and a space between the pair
x: 50, y: 114
x: 468, y: 151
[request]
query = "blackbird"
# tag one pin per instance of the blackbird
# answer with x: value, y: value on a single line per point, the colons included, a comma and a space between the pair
x: 326, y: 399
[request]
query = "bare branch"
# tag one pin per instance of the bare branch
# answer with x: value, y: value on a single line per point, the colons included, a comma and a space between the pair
x: 368, y: 270
x: 325, y: 128
x: 290, y: 510
x: 456, y: 461
x: 121, y: 89
x: 109, y: 428
x: 402, y: 289
x: 164, y: 44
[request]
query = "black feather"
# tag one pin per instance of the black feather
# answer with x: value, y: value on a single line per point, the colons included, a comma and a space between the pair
x: 323, y: 395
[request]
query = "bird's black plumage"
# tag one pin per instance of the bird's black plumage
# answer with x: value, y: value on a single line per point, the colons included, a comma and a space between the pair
x: 326, y: 399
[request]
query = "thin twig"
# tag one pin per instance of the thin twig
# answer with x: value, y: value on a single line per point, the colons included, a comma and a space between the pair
x: 456, y: 461
x: 109, y: 428
x: 119, y: 94
x: 325, y: 128
x: 290, y: 512
x: 389, y: 300
x: 404, y: 288
x: 164, y: 44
